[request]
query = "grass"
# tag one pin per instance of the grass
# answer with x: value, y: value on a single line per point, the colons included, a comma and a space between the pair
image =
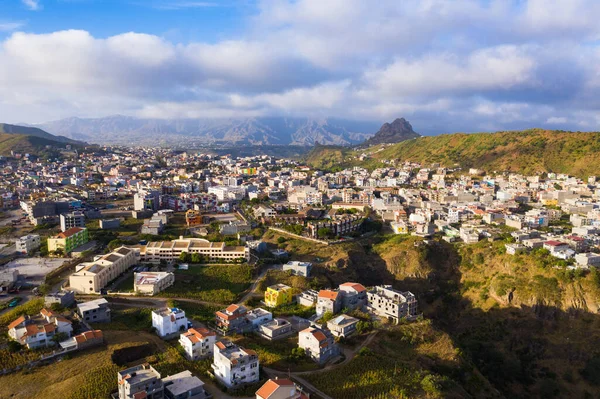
x: 133, y: 319
x: 276, y: 354
x: 202, y: 313
x: 29, y: 308
x: 126, y: 285
x: 88, y: 374
x: 217, y: 284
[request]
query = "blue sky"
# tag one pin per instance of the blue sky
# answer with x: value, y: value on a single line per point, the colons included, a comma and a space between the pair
x: 461, y: 65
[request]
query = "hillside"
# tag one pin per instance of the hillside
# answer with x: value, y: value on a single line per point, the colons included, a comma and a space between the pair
x: 6, y: 128
x: 534, y: 343
x: 529, y: 151
x: 119, y: 129
x: 24, y: 144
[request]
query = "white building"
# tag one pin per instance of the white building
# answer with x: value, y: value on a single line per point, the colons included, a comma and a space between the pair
x: 91, y: 277
x: 169, y: 321
x: 280, y: 388
x: 587, y: 259
x: 151, y: 283
x: 233, y: 365
x: 197, y: 343
x: 27, y: 244
x: 258, y: 317
x: 392, y: 304
x: 156, y: 251
x: 70, y: 220
x: 298, y: 268
x: 318, y: 344
x: 39, y: 331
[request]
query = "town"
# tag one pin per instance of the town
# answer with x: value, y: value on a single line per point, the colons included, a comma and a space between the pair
x: 214, y: 256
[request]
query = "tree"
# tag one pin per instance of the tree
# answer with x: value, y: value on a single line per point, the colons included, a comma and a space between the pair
x: 196, y: 258
x: 59, y: 337
x: 114, y: 244
x: 297, y: 354
x: 324, y: 232
x: 326, y: 317
x: 14, y: 347
x: 281, y: 240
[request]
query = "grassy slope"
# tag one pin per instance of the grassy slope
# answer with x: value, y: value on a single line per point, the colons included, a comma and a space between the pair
x: 34, y: 132
x: 535, y: 346
x: 528, y: 151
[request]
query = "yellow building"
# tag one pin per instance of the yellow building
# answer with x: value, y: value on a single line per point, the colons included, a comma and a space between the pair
x: 68, y: 240
x: 278, y: 294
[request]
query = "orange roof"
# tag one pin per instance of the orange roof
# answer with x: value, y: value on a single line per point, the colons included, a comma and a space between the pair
x: 328, y: 294
x: 140, y: 395
x: 232, y: 308
x: 70, y: 232
x: 318, y: 335
x: 220, y: 345
x: 358, y: 287
x: 16, y: 322
x: 271, y: 386
x: 196, y: 335
x: 250, y: 352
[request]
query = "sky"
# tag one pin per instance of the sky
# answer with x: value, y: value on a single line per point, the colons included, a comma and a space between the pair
x: 445, y: 65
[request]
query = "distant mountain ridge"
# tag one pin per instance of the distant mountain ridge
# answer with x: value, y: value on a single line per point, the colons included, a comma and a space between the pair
x: 391, y: 133
x: 120, y: 129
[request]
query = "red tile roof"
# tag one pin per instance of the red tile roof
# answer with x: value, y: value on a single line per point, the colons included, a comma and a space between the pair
x: 271, y: 386
x: 328, y: 294
x: 358, y: 287
x: 70, y: 232
x: 16, y: 322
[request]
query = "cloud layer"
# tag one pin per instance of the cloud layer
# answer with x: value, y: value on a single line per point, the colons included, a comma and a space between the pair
x: 464, y: 65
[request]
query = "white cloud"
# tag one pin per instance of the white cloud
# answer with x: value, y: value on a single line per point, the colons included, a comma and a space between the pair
x: 464, y: 64
x: 10, y: 26
x: 33, y: 5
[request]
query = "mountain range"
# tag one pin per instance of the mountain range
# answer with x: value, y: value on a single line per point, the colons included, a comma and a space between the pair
x: 128, y: 130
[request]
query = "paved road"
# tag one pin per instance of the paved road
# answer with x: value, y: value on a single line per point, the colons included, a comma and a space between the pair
x: 254, y: 285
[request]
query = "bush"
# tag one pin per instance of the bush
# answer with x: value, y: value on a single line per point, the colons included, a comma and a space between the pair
x: 281, y: 240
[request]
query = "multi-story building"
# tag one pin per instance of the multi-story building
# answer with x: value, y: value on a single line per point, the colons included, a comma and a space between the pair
x: 68, y: 240
x: 275, y: 329
x: 257, y: 317
x: 146, y: 200
x: 62, y: 298
x: 308, y: 298
x: 27, y: 244
x: 342, y: 325
x: 157, y: 251
x: 392, y: 304
x: 354, y: 295
x: 71, y: 219
x: 96, y: 311
x: 232, y: 319
x: 91, y: 277
x: 298, y: 268
x: 197, y: 343
x: 39, y: 331
x: 184, y: 385
x: 328, y: 301
x: 140, y: 382
x: 234, y: 365
x: 151, y: 283
x: 278, y: 294
x: 169, y: 321
x: 318, y: 344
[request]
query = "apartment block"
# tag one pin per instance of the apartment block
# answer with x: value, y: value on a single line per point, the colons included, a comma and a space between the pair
x: 386, y: 302
x: 157, y: 251
x: 328, y: 301
x: 71, y: 219
x: 68, y: 240
x: 140, y: 382
x: 96, y: 311
x: 27, y: 244
x: 91, y: 277
x: 232, y: 319
x: 234, y: 365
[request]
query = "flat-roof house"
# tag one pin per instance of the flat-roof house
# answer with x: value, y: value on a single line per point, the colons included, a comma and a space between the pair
x: 169, y: 321
x: 184, y: 385
x: 151, y: 283
x: 96, y: 311
x: 234, y: 365
x: 140, y: 382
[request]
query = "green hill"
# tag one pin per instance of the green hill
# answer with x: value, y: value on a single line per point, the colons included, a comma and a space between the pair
x: 35, y: 132
x: 528, y: 151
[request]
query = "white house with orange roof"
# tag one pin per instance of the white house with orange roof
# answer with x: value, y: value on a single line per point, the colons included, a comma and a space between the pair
x: 234, y: 365
x: 354, y: 295
x: 232, y: 319
x: 38, y: 331
x: 328, y: 301
x: 197, y: 343
x: 281, y: 388
x: 318, y: 344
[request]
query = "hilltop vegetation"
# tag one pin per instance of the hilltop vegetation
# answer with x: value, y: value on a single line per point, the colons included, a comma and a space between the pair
x: 30, y: 140
x: 511, y: 326
x: 529, y: 151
